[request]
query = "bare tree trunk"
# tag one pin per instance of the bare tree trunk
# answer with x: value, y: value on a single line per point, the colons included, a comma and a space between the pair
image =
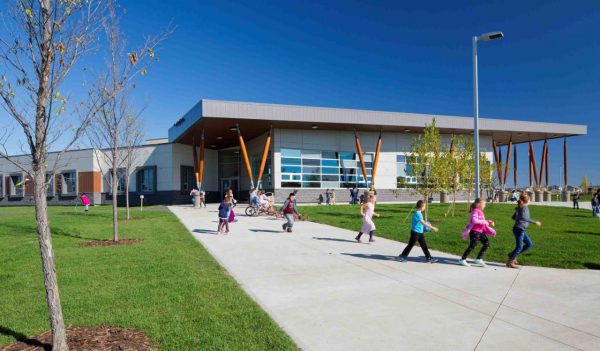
x: 57, y: 324
x: 114, y: 203
x: 127, y: 194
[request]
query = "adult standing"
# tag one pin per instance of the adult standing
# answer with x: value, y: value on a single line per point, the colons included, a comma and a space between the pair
x: 332, y: 195
x: 327, y: 197
x: 576, y: 197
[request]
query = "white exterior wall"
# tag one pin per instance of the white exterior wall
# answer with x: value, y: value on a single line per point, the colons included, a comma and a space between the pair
x: 183, y: 155
x: 392, y: 144
x: 80, y: 160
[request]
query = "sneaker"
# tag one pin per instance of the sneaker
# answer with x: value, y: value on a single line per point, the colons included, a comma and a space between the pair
x: 284, y: 227
x: 358, y: 240
x: 371, y: 240
x: 401, y: 258
x: 511, y: 264
x: 289, y: 230
x: 480, y: 262
x: 463, y: 263
x: 431, y: 260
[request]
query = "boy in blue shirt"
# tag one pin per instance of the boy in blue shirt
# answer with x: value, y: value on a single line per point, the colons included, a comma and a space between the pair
x: 418, y: 226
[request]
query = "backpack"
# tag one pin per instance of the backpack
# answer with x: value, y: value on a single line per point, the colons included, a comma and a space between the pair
x: 223, y: 210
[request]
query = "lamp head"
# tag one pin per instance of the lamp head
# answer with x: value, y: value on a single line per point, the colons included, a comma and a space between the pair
x: 490, y: 36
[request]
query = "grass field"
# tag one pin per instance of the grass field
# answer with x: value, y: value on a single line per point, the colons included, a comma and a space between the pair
x: 167, y: 286
x: 567, y: 239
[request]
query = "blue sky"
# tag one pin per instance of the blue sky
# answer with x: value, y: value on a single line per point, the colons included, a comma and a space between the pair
x: 396, y: 55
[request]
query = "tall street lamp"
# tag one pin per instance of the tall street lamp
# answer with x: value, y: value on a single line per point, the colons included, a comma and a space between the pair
x: 482, y: 37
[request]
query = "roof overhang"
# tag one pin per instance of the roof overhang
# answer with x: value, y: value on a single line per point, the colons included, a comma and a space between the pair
x: 218, y: 119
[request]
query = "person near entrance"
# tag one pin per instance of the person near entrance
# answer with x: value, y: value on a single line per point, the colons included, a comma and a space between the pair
x: 289, y: 210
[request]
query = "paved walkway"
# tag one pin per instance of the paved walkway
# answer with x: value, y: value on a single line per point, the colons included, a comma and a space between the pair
x: 330, y: 293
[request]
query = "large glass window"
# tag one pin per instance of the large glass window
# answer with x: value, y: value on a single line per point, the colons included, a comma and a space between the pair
x: 405, y: 177
x: 69, y: 180
x: 146, y: 179
x: 1, y: 185
x: 323, y: 169
x: 188, y: 179
x: 50, y: 182
x: 15, y: 185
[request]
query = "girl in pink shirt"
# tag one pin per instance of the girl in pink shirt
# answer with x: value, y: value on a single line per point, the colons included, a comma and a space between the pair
x: 85, y: 201
x: 477, y: 230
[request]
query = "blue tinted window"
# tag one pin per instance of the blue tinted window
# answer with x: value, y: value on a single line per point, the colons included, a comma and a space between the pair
x: 330, y: 178
x: 310, y: 162
x: 332, y: 163
x: 311, y: 177
x: 285, y: 177
x: 347, y: 156
x: 290, y: 152
x: 329, y: 154
x: 290, y: 169
x: 328, y: 170
x: 400, y: 158
x: 311, y: 170
x: 290, y: 161
x: 311, y: 184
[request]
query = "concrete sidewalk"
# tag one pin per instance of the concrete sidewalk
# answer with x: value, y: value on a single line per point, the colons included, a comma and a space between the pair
x: 330, y: 293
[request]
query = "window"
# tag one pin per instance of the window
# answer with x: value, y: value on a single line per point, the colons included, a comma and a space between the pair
x: 323, y: 169
x: 120, y: 179
x: 404, y: 173
x: 69, y: 183
x: 50, y: 182
x: 15, y: 185
x: 188, y: 179
x: 146, y: 179
x: 1, y: 186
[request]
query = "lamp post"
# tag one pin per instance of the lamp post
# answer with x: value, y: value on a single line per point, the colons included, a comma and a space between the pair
x: 482, y: 37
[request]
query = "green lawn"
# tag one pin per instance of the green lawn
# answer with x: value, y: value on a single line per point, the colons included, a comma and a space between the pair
x: 567, y: 239
x: 168, y: 286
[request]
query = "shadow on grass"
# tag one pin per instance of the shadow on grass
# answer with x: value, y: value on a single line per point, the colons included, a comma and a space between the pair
x: 576, y: 232
x: 204, y: 231
x: 24, y: 339
x: 334, y: 239
x: 420, y: 259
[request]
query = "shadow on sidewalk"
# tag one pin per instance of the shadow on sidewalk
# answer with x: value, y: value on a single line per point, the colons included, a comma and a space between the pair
x: 420, y: 259
x: 265, y: 231
x: 204, y: 231
x: 334, y: 239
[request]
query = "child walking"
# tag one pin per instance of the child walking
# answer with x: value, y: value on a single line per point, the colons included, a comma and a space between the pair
x: 288, y: 210
x: 367, y: 211
x: 522, y: 221
x: 417, y: 231
x: 477, y: 229
x: 224, y: 212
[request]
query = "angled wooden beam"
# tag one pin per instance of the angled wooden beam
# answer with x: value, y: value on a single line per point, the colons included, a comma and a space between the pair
x: 265, y: 155
x: 547, y: 164
x: 245, y: 156
x: 201, y: 162
x: 565, y: 164
x: 543, y: 164
x: 361, y: 158
x: 497, y: 161
x: 195, y: 160
x: 533, y: 164
x: 375, y: 162
x: 515, y: 166
x: 510, y: 144
x: 530, y: 168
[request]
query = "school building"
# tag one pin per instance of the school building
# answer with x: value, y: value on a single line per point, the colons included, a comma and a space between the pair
x: 219, y: 145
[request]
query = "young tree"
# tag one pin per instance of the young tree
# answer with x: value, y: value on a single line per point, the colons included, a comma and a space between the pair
x: 585, y: 184
x: 114, y: 87
x: 467, y: 166
x: 133, y: 136
x: 40, y: 44
x: 424, y: 158
x: 456, y: 166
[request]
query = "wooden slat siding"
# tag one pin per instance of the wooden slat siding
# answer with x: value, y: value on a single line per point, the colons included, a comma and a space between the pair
x: 89, y: 182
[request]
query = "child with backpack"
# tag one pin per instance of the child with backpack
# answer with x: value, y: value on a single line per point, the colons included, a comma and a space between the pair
x: 522, y: 221
x: 417, y: 234
x: 224, y: 212
x: 289, y: 210
x: 85, y: 201
x: 367, y: 211
x: 477, y: 229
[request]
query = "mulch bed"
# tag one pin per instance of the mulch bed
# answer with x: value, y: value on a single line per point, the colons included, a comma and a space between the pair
x: 111, y: 242
x: 103, y: 338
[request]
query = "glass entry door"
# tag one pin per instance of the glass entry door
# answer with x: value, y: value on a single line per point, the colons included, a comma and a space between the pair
x: 230, y: 183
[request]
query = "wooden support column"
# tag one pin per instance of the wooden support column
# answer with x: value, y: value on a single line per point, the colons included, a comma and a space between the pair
x: 195, y: 162
x: 530, y: 168
x: 375, y: 162
x: 500, y: 168
x: 547, y: 163
x: 497, y: 161
x: 510, y: 144
x: 543, y: 164
x: 263, y: 160
x: 245, y: 156
x: 515, y: 166
x: 565, y: 164
x: 361, y: 158
x: 533, y: 164
x: 201, y: 162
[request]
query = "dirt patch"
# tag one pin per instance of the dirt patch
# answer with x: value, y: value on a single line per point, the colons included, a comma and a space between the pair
x: 89, y: 339
x: 111, y: 242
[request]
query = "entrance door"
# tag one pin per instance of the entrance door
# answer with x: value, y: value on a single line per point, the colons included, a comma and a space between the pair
x: 229, y: 183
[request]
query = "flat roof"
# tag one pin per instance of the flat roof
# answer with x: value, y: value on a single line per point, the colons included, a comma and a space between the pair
x: 218, y: 118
